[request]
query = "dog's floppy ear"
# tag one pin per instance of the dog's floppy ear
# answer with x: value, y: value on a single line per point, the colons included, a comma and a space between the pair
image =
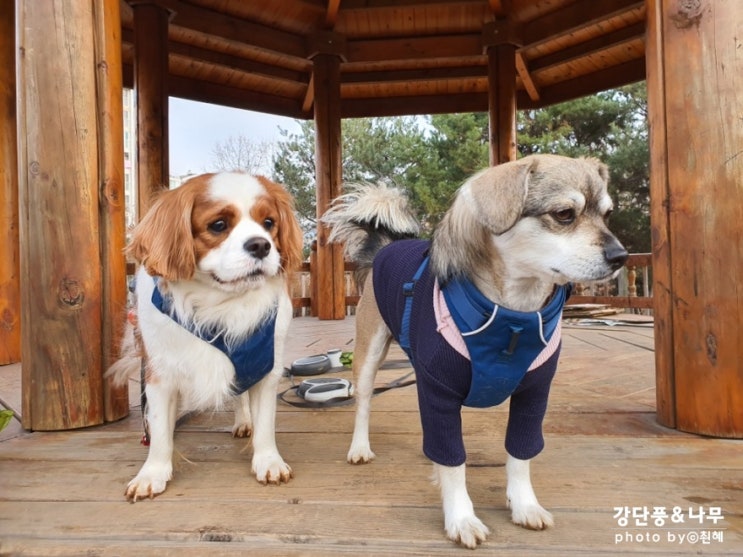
x: 163, y: 239
x: 490, y: 202
x: 498, y: 194
x: 289, y: 234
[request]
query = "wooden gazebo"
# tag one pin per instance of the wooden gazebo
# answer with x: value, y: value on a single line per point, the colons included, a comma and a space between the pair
x: 63, y: 64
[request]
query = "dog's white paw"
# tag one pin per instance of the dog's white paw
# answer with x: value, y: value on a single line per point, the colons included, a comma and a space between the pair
x: 271, y: 469
x: 467, y: 530
x: 149, y: 482
x: 532, y: 516
x: 360, y: 454
x: 242, y: 430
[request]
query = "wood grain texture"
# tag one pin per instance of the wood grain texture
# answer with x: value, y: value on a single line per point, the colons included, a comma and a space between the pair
x: 659, y: 221
x: 10, y: 285
x: 107, y: 38
x: 703, y: 80
x: 502, y: 103
x: 328, y: 164
x: 62, y: 492
x: 151, y: 85
x: 59, y: 213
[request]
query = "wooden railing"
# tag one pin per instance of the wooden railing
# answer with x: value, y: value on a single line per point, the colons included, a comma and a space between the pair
x: 304, y: 294
x: 631, y: 290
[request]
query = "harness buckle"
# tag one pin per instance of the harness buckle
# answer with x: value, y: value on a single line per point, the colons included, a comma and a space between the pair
x: 515, y: 334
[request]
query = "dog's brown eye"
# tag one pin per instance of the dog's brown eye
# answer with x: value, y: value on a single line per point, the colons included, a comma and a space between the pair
x: 218, y: 226
x: 269, y: 223
x: 566, y: 216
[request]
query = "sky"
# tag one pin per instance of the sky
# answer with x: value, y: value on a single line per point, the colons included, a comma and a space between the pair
x: 196, y: 128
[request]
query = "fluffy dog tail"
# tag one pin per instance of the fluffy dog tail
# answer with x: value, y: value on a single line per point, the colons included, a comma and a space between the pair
x: 367, y: 218
x: 130, y: 358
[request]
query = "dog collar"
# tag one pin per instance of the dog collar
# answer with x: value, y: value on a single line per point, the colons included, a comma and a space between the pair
x: 502, y: 343
x: 252, y: 357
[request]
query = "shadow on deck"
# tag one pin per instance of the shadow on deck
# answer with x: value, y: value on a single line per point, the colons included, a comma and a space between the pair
x: 62, y: 493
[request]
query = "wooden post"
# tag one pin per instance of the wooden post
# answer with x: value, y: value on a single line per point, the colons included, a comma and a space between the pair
x: 10, y: 283
x: 500, y: 41
x: 111, y: 195
x: 65, y: 294
x: 329, y: 276
x: 150, y: 85
x: 695, y: 75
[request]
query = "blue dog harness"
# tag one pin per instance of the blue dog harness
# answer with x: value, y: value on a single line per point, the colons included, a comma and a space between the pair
x: 252, y: 358
x: 502, y: 343
x: 446, y: 379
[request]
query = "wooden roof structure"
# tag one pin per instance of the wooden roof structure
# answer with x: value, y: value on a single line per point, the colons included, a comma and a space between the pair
x: 397, y: 56
x: 63, y: 65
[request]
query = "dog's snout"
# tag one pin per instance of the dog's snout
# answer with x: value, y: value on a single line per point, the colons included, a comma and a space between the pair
x: 615, y: 254
x: 257, y: 247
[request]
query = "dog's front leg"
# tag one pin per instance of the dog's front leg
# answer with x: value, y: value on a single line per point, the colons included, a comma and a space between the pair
x: 162, y: 403
x: 462, y: 526
x: 525, y: 509
x: 243, y: 426
x: 268, y: 466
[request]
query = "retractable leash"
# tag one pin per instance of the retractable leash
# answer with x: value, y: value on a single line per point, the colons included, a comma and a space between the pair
x: 322, y: 389
x: 327, y: 392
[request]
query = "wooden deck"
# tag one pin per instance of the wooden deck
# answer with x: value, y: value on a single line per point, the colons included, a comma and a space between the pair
x: 62, y: 493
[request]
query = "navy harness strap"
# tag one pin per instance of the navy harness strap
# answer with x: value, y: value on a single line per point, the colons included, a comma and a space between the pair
x: 408, y: 289
x: 252, y: 357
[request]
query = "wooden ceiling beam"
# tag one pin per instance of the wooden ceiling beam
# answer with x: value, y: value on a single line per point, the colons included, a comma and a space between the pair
x: 609, y: 78
x: 616, y: 52
x: 213, y: 93
x: 236, y: 63
x: 403, y: 106
x: 379, y: 4
x: 594, y: 45
x: 414, y: 48
x: 474, y: 70
x: 232, y: 28
x: 419, y: 64
x: 523, y: 71
x: 186, y: 67
x: 331, y: 14
x: 500, y: 8
x: 241, y: 63
x: 567, y: 20
x: 414, y: 88
x: 309, y: 96
x: 580, y: 15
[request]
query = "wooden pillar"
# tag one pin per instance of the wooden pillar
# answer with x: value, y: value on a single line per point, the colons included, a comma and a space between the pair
x: 112, y: 209
x: 329, y: 275
x: 63, y: 99
x: 695, y: 75
x: 150, y: 86
x: 500, y: 42
x: 10, y: 284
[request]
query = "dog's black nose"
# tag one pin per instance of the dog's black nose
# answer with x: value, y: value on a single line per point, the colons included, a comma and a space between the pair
x: 257, y: 247
x: 615, y: 254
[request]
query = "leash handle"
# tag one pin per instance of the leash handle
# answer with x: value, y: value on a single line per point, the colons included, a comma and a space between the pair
x: 345, y: 401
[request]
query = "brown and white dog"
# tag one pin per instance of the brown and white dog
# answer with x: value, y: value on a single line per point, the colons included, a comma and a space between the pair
x: 515, y: 233
x: 214, y: 256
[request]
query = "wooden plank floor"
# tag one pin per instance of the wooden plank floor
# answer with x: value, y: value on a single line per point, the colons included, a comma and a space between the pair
x: 62, y: 493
